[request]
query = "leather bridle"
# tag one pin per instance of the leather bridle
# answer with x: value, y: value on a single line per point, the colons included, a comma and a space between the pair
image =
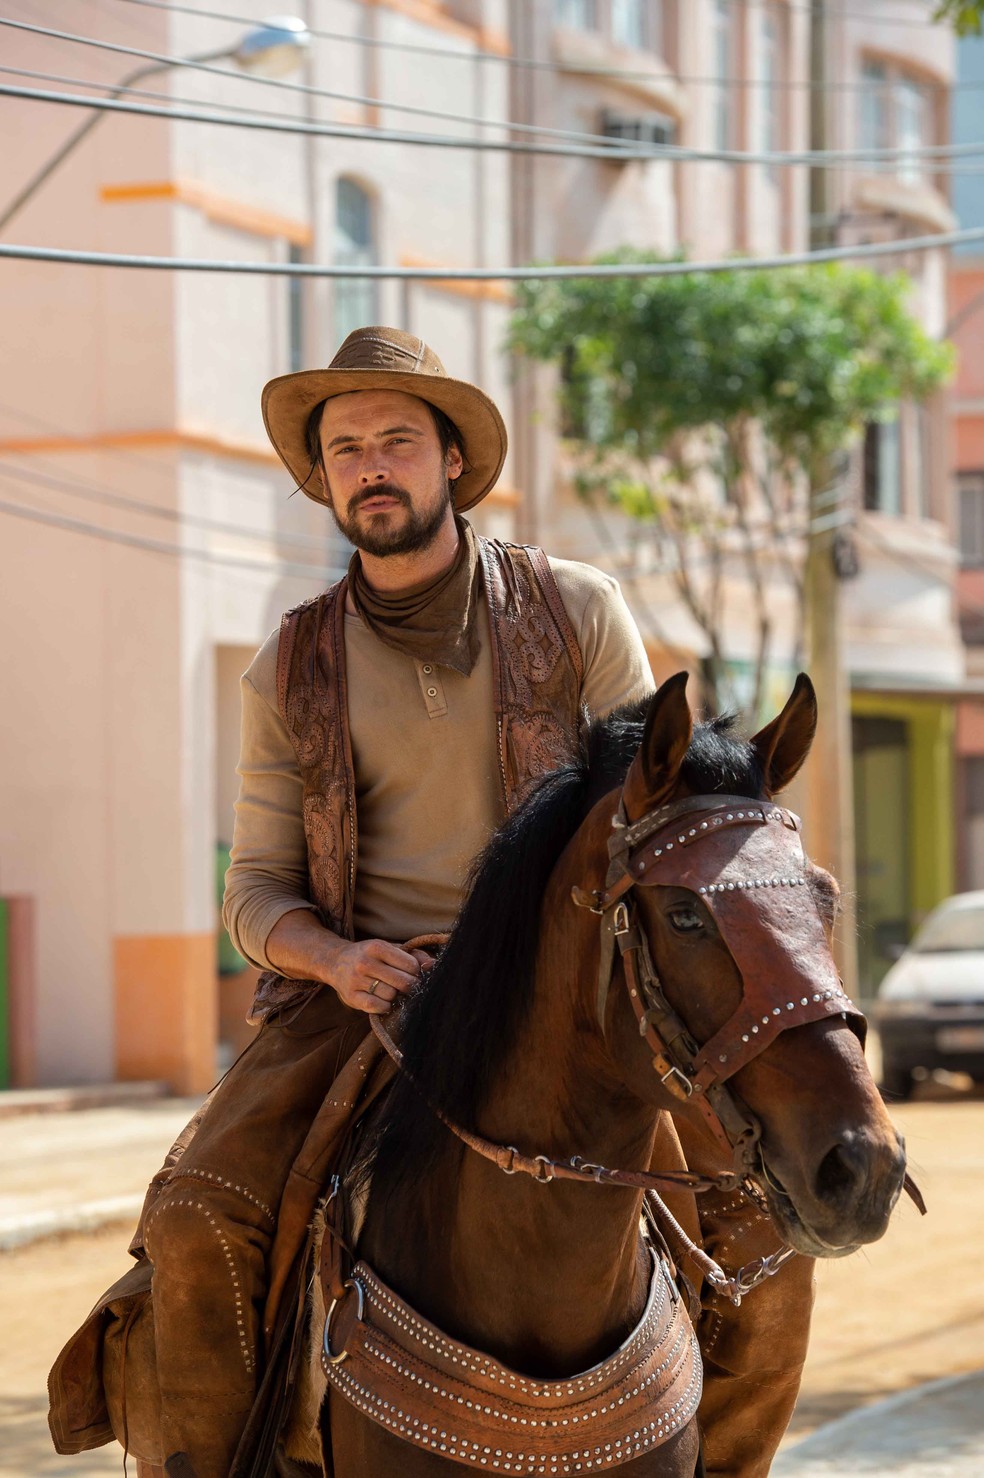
x: 725, y: 849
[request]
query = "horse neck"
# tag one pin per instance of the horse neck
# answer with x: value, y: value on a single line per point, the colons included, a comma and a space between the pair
x: 500, y: 1260
x: 569, y: 1253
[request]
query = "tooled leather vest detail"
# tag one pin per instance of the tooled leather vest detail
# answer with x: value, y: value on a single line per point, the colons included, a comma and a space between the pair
x: 536, y: 676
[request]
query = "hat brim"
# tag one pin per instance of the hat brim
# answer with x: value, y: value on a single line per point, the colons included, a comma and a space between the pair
x: 288, y: 401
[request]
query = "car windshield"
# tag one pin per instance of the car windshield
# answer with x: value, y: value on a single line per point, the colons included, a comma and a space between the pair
x: 954, y: 929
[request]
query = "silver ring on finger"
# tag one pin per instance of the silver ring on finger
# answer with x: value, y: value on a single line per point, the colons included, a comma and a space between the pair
x: 372, y: 986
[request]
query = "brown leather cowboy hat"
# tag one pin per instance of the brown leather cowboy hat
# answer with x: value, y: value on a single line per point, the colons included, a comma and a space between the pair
x: 386, y: 359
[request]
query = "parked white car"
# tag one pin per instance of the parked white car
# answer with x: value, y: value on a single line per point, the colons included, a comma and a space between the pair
x: 930, y: 1006
x: 930, y: 1010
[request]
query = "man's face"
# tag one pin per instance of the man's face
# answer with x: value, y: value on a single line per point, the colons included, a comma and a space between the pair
x: 384, y: 473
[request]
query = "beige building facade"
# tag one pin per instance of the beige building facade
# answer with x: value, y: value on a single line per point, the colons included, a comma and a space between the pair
x: 150, y: 542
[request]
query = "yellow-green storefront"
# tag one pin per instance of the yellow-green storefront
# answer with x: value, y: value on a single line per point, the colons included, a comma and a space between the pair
x: 904, y: 808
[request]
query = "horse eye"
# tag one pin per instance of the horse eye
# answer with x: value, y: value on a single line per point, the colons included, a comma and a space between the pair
x: 685, y: 920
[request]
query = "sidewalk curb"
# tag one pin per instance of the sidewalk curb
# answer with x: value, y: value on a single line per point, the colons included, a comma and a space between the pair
x: 21, y: 1231
x: 822, y: 1449
x: 15, y: 1101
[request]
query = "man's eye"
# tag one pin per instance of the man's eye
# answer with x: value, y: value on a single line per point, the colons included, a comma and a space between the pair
x: 685, y: 920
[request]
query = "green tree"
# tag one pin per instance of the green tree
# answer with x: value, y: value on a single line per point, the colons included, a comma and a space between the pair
x: 966, y: 16
x: 710, y: 404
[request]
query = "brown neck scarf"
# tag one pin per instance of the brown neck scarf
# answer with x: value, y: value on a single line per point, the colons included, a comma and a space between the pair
x: 434, y: 622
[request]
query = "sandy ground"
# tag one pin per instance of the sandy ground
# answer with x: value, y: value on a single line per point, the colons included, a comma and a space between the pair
x: 909, y: 1309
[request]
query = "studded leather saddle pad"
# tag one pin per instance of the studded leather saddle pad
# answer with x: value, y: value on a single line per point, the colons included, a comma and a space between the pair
x: 452, y: 1400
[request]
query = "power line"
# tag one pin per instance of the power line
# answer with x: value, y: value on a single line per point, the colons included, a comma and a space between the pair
x: 617, y: 151
x: 73, y: 487
x: 299, y: 88
x: 157, y: 546
x: 666, y: 152
x: 497, y: 274
x: 533, y: 64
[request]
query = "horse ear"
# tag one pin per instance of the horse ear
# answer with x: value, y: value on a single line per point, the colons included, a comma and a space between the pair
x: 783, y: 745
x: 654, y: 771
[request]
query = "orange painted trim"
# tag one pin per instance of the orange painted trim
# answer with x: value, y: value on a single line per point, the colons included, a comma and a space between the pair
x: 107, y: 440
x: 221, y: 209
x: 492, y: 292
x: 22, y: 939
x: 166, y: 1009
x: 495, y: 41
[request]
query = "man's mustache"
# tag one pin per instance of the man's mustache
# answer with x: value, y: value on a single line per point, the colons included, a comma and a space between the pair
x: 384, y: 490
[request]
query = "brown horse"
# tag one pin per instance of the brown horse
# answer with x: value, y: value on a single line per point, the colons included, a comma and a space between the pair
x: 505, y: 1039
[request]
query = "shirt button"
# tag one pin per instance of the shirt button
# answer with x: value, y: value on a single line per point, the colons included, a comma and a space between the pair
x: 432, y: 692
x: 428, y: 668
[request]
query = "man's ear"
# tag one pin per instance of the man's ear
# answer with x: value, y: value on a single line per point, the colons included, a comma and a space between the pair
x: 783, y: 745
x: 656, y: 767
x: 454, y: 462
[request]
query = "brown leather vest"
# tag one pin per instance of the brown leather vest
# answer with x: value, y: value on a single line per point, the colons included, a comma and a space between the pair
x: 536, y: 674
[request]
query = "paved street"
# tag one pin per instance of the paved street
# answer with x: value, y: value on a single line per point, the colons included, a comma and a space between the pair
x: 885, y: 1322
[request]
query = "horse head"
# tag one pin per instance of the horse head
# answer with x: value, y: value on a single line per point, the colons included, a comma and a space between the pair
x: 733, y: 1009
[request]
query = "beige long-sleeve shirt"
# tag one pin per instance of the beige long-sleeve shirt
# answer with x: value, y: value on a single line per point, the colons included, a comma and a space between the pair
x: 425, y: 750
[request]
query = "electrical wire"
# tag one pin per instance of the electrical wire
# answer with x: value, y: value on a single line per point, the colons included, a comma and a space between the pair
x: 181, y: 63
x: 75, y: 488
x: 532, y: 64
x: 626, y: 150
x: 939, y: 168
x: 158, y: 546
x: 862, y: 252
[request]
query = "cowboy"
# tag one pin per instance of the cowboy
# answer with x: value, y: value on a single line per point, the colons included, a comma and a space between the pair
x: 388, y: 727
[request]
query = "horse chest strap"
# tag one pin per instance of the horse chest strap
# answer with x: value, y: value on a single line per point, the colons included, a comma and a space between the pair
x: 446, y: 1397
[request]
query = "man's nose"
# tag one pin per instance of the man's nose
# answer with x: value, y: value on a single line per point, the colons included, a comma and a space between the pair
x: 373, y: 469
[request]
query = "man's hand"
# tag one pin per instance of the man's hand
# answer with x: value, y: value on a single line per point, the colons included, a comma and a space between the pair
x: 368, y: 975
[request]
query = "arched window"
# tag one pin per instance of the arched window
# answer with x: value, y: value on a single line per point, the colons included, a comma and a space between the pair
x: 355, y: 246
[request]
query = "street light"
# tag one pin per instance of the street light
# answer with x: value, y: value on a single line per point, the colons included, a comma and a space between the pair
x: 270, y: 49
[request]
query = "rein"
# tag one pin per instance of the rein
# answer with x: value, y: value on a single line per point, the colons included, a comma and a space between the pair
x: 543, y: 1169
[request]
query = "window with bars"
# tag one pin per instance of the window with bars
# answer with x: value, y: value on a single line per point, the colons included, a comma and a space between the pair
x: 970, y: 493
x: 355, y: 246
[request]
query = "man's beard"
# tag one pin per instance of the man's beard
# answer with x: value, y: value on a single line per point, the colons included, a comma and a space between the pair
x: 418, y: 531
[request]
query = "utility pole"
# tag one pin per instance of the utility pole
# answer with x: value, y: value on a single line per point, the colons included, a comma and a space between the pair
x: 829, y: 774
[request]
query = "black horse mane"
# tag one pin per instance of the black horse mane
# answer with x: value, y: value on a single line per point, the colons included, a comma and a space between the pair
x: 459, y: 1027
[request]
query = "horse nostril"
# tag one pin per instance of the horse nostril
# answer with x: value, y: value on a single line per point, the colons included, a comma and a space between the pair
x: 839, y: 1172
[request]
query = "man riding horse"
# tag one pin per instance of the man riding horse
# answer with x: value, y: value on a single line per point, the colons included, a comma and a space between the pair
x: 388, y: 728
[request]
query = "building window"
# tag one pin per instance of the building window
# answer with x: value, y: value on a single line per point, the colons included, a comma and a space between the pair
x: 911, y: 128
x: 721, y: 66
x: 355, y: 297
x: 770, y: 118
x: 882, y: 468
x: 896, y: 112
x: 576, y: 15
x: 970, y: 491
x: 629, y: 24
x: 295, y: 313
x: 922, y: 461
